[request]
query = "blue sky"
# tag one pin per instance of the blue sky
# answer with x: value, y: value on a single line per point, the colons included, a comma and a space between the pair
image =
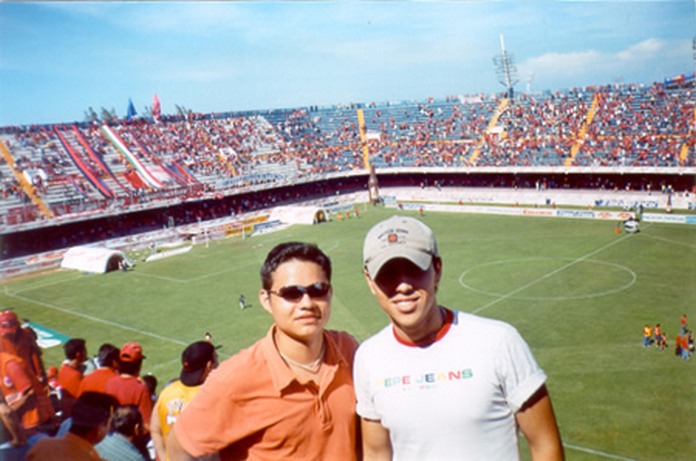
x: 59, y: 59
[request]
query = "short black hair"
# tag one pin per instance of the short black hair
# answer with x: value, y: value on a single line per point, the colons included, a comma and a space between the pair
x: 107, y: 354
x: 151, y: 382
x: 73, y: 346
x: 130, y: 368
x: 91, y: 409
x: 288, y: 251
x: 126, y: 419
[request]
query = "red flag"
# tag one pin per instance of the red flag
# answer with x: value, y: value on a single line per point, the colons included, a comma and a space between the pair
x: 156, y: 110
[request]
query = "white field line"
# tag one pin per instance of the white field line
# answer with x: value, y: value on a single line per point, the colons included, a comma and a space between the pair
x: 550, y: 274
x: 99, y: 320
x: 543, y: 277
x: 597, y: 452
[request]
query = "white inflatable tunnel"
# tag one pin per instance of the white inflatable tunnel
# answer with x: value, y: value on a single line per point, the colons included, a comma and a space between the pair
x: 300, y: 214
x: 92, y: 259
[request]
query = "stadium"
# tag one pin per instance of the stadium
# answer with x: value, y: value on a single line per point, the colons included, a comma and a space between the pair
x: 567, y: 213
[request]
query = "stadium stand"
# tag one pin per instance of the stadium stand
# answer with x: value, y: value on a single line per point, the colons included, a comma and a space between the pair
x: 57, y: 174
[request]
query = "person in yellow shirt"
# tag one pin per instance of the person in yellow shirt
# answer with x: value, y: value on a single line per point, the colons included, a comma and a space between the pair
x: 197, y: 361
x: 647, y: 335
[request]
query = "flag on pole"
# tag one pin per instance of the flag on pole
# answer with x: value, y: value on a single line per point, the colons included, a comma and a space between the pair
x: 156, y: 110
x: 131, y: 110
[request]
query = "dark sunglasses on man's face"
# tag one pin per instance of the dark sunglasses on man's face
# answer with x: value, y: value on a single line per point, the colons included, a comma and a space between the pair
x: 295, y: 293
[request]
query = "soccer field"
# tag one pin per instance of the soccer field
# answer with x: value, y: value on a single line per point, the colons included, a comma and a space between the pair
x: 578, y: 292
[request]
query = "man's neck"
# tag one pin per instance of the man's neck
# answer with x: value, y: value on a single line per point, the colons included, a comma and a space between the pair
x: 426, y: 333
x: 297, y: 350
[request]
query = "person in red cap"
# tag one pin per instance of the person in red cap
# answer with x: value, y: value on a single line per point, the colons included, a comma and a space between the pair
x: 126, y: 387
x: 22, y: 343
x: 25, y: 395
x: 197, y: 361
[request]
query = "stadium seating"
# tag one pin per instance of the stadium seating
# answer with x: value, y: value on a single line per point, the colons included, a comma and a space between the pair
x: 92, y: 168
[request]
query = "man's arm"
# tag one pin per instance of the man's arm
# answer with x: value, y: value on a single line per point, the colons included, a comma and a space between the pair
x: 375, y: 441
x: 174, y: 449
x: 156, y: 434
x: 177, y: 453
x: 538, y: 424
x: 12, y: 424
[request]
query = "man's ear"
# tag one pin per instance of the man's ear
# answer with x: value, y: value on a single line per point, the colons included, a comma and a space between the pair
x: 437, y: 266
x: 265, y: 300
x: 370, y: 282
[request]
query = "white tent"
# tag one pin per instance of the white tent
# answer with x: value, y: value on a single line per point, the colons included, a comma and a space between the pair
x: 300, y: 214
x: 92, y: 259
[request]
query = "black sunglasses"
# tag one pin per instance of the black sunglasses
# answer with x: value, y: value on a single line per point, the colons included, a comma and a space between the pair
x: 295, y: 293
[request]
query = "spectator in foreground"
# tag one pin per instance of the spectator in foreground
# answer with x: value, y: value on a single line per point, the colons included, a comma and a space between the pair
x: 107, y: 369
x: 22, y: 343
x: 71, y: 372
x: 26, y: 397
x: 13, y: 439
x: 197, y: 361
x: 91, y: 415
x: 127, y: 387
x: 465, y: 383
x: 126, y: 432
x: 290, y: 395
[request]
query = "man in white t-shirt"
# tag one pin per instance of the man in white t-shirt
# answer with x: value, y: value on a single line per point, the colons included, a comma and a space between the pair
x: 438, y: 384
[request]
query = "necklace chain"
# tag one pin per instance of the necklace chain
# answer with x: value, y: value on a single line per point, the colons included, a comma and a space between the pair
x: 312, y: 366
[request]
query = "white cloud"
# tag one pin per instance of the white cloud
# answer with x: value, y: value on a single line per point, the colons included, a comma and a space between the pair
x: 648, y: 60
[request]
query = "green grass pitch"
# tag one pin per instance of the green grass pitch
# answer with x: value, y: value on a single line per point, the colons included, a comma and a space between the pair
x: 578, y: 292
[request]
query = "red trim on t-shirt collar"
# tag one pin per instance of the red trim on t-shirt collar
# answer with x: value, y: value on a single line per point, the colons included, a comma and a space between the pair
x: 447, y: 323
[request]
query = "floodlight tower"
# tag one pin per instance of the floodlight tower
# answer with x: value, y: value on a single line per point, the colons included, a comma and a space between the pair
x: 505, y: 69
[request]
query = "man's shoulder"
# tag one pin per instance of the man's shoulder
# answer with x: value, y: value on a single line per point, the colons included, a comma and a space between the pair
x: 100, y: 374
x: 125, y: 382
x: 343, y: 339
x: 467, y: 320
x: 117, y: 446
x: 177, y: 390
x: 244, y: 358
x: 385, y: 335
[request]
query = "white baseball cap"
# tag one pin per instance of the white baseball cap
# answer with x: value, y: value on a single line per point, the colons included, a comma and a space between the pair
x: 398, y: 237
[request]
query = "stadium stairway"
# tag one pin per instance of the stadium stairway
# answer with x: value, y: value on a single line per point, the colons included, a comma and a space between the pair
x: 582, y: 135
x: 26, y: 185
x: 491, y: 125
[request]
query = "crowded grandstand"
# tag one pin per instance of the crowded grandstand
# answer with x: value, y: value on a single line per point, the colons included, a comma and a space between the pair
x: 88, y: 181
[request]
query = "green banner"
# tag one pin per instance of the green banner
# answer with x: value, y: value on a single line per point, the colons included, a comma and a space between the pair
x: 45, y: 336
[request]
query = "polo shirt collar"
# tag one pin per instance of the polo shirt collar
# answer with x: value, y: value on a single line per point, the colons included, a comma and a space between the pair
x: 281, y: 374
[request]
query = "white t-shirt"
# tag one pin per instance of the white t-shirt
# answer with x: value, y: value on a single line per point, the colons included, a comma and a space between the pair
x: 454, y: 399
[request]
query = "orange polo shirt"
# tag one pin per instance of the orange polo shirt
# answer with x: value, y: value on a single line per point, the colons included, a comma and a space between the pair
x: 96, y: 381
x: 252, y: 407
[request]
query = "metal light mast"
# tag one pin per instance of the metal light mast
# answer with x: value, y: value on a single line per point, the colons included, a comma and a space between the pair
x: 505, y: 69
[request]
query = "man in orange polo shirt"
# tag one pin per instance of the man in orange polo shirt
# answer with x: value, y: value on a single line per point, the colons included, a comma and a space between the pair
x: 290, y: 395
